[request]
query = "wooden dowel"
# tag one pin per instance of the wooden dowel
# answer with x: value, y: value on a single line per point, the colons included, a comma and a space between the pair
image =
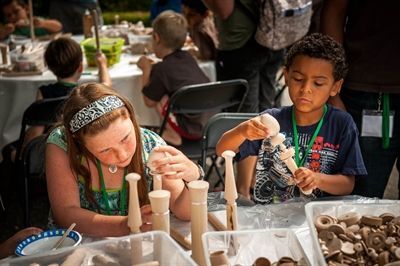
x: 215, y: 222
x: 178, y: 237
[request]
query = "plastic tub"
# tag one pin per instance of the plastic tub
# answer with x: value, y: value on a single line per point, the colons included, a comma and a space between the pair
x: 111, y: 47
x: 253, y: 244
x: 336, y: 208
x: 155, y: 246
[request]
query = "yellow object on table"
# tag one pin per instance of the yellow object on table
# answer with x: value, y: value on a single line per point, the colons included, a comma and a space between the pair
x: 111, y: 47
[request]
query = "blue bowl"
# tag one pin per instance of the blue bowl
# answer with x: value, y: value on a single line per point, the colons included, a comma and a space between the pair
x: 45, y: 241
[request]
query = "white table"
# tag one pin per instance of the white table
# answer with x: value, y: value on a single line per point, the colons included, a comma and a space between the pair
x: 17, y: 93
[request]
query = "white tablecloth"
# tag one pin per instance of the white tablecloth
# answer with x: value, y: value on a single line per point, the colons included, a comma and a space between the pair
x: 17, y: 93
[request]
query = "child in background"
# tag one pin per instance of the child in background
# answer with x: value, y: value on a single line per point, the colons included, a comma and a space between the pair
x: 202, y: 30
x: 7, y: 248
x: 63, y: 57
x: 177, y: 69
x: 325, y: 138
x: 16, y: 16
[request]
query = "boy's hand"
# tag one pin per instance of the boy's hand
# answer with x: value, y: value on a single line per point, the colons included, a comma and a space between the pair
x: 21, y: 23
x: 306, y: 179
x: 253, y: 129
x: 101, y: 59
x: 145, y: 63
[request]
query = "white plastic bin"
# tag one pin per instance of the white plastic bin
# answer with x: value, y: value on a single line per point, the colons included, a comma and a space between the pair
x: 155, y: 246
x: 252, y: 244
x: 374, y: 207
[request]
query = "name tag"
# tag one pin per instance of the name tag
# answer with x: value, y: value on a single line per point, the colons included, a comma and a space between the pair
x: 371, y: 125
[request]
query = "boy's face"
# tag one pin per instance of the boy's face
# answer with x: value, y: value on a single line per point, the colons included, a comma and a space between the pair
x: 311, y: 83
x: 14, y: 12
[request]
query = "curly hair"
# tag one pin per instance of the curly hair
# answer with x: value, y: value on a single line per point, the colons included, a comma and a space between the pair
x: 320, y: 46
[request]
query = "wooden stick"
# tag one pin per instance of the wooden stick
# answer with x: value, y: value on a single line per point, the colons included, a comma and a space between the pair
x: 157, y: 181
x: 134, y: 215
x: 215, y: 222
x: 198, y: 195
x: 230, y: 191
x: 149, y: 263
x: 32, y: 27
x: 178, y: 237
x: 96, y: 28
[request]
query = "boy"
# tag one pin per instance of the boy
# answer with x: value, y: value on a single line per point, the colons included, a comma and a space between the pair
x: 177, y: 69
x: 324, y: 138
x: 202, y: 30
x: 17, y: 19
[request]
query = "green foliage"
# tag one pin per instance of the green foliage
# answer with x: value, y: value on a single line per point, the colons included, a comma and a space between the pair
x: 135, y: 16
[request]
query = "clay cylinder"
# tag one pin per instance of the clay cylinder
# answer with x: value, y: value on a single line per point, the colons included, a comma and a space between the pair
x: 159, y: 200
x: 198, y: 196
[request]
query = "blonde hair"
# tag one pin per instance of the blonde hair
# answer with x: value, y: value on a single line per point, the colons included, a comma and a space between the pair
x: 171, y: 28
x: 81, y: 97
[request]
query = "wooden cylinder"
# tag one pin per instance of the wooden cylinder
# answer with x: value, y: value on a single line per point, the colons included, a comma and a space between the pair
x: 198, y: 196
x: 157, y: 181
x: 134, y: 214
x: 159, y: 200
x: 219, y: 258
x: 230, y: 191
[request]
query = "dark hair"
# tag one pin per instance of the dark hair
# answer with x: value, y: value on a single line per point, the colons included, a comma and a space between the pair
x: 320, y: 46
x: 5, y: 3
x: 196, y: 5
x: 63, y: 57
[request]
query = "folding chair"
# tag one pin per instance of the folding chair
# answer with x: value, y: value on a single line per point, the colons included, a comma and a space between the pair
x: 33, y: 171
x: 214, y: 129
x: 40, y: 113
x: 206, y: 97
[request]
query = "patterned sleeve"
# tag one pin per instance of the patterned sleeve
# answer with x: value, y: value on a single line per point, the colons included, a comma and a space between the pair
x: 150, y: 140
x: 58, y: 137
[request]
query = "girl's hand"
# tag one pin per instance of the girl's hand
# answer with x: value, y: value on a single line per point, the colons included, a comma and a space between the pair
x: 175, y: 166
x: 253, y: 129
x: 306, y: 179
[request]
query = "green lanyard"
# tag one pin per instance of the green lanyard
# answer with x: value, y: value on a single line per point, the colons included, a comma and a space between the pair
x: 299, y: 162
x: 122, y: 200
x: 385, y: 121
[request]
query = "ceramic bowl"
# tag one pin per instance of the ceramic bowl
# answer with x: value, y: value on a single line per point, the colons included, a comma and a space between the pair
x: 45, y: 241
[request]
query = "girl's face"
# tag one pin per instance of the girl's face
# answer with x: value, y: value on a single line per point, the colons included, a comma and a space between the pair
x: 115, y: 145
x: 14, y: 12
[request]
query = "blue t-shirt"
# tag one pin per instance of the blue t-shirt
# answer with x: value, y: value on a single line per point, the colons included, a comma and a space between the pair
x: 335, y: 151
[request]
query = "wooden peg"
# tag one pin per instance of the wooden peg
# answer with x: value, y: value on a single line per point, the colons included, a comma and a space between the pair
x: 157, y: 183
x: 159, y: 200
x: 287, y: 156
x: 230, y: 191
x: 219, y: 258
x: 134, y: 215
x: 31, y: 25
x: 198, y: 196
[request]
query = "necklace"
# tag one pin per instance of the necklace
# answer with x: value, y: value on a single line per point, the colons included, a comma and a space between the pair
x: 112, y: 168
x: 123, y: 195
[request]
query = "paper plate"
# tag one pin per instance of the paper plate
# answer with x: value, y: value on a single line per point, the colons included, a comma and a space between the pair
x: 45, y: 241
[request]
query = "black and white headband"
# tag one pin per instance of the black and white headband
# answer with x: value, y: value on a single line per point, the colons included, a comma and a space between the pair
x: 93, y: 111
